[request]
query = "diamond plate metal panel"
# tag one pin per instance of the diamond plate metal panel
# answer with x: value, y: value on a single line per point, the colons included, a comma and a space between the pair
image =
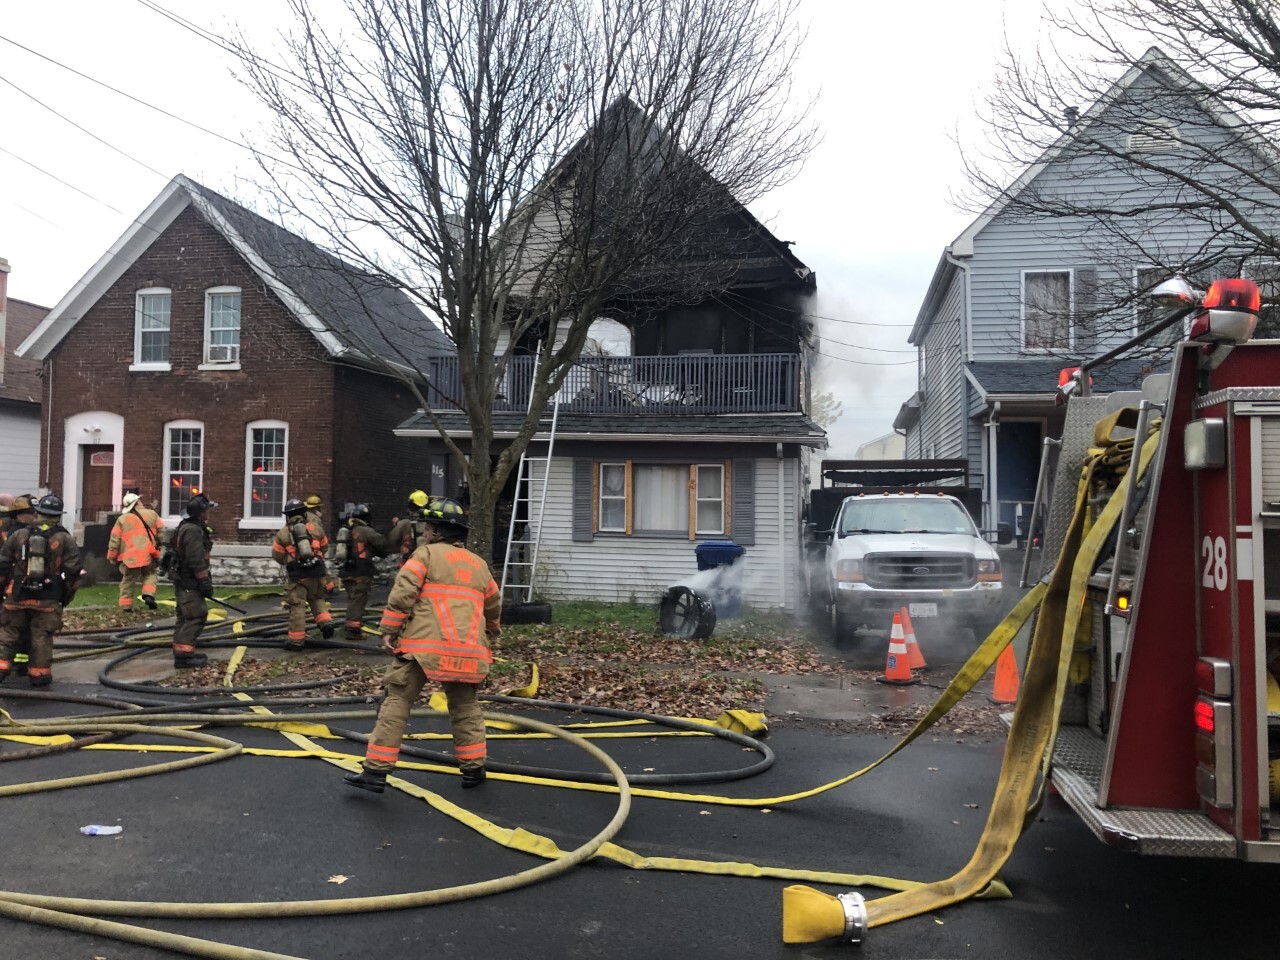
x: 1077, y: 437
x: 1097, y: 671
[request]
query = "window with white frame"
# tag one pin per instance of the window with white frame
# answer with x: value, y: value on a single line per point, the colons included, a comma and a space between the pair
x: 266, y: 462
x: 222, y: 325
x: 613, y: 497
x: 666, y: 499
x: 709, y: 496
x: 1046, y: 310
x: 152, y: 308
x: 184, y: 464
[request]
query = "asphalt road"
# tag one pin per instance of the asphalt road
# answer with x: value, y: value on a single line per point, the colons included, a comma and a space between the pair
x: 265, y: 829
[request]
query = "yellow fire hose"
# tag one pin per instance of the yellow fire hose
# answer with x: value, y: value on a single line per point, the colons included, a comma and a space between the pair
x: 809, y: 915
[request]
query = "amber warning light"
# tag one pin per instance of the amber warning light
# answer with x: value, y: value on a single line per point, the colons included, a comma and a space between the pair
x: 1234, y: 295
x: 1230, y: 315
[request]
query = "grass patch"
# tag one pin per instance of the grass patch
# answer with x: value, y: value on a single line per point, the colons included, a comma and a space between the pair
x: 107, y: 594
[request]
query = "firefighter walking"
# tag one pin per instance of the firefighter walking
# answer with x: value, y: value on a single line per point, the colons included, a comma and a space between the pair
x: 20, y: 513
x: 406, y: 535
x: 299, y: 547
x: 192, y: 583
x: 39, y: 567
x: 135, y: 547
x: 356, y: 546
x: 439, y: 623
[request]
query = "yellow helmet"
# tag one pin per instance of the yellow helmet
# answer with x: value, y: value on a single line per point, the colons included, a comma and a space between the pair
x: 419, y: 499
x: 312, y: 502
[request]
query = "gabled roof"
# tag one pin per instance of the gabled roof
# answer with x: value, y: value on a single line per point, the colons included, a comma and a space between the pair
x: 21, y: 381
x: 1154, y: 60
x: 350, y: 312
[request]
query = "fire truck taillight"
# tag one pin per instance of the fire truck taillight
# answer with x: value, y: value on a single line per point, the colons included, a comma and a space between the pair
x: 1204, y: 716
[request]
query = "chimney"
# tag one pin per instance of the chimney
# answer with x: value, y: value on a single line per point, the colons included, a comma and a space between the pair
x: 4, y: 313
x: 1073, y: 117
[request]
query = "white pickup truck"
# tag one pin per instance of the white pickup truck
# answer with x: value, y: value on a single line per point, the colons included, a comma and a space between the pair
x: 915, y: 550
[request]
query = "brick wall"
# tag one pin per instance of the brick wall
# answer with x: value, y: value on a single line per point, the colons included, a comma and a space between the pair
x: 283, y: 376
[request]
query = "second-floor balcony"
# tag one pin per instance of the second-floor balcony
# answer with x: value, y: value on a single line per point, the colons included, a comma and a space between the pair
x: 663, y: 385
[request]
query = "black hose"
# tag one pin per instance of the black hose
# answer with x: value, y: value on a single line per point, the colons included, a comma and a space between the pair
x: 107, y: 681
x: 30, y: 753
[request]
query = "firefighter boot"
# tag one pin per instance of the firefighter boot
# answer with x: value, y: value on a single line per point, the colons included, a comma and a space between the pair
x: 326, y: 630
x: 149, y: 600
x: 20, y: 661
x: 40, y: 678
x: 370, y: 780
x: 472, y: 777
x: 187, y: 661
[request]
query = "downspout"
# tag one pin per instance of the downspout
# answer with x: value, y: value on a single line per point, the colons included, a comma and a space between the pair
x: 48, y: 428
x: 782, y: 551
x: 993, y: 466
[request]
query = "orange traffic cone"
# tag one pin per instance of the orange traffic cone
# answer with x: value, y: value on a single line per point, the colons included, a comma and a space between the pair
x: 915, y: 659
x: 1006, y: 685
x: 897, y: 668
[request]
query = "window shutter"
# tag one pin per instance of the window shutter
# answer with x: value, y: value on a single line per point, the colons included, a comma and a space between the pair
x: 1086, y: 308
x: 744, y: 502
x: 582, y: 497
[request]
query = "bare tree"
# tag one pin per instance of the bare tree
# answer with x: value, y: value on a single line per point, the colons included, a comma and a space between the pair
x: 825, y: 409
x: 520, y: 166
x: 1161, y: 118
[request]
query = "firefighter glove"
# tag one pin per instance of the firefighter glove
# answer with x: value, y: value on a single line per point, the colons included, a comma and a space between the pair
x: 205, y: 586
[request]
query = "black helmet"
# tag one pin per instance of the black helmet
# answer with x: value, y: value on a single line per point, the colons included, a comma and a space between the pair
x: 198, y: 504
x: 49, y: 506
x: 360, y: 511
x: 446, y: 512
x: 293, y: 507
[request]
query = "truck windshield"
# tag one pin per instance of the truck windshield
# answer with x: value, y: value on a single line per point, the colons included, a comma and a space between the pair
x: 905, y: 515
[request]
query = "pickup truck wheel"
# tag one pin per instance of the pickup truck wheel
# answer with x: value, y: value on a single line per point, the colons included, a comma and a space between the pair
x: 843, y: 629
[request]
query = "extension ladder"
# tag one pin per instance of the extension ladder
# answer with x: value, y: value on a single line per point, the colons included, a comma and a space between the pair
x: 520, y: 563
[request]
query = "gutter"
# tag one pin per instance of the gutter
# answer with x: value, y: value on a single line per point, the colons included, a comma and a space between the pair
x: 819, y: 443
x: 966, y: 328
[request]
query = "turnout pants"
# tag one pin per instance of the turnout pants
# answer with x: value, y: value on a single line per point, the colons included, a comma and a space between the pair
x: 403, y: 683
x: 301, y: 595
x: 357, y: 599
x: 135, y: 580
x: 192, y: 614
x: 42, y: 624
x: 22, y: 655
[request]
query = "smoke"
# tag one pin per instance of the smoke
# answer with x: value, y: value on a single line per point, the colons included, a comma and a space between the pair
x: 721, y: 585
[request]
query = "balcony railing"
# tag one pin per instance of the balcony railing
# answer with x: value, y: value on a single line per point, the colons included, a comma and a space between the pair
x: 685, y: 384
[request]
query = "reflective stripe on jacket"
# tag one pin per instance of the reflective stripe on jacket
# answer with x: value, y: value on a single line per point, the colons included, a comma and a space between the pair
x: 445, y: 608
x: 63, y: 556
x: 133, y: 539
x: 285, y: 553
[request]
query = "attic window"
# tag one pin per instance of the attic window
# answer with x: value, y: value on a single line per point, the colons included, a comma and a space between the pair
x: 1157, y: 136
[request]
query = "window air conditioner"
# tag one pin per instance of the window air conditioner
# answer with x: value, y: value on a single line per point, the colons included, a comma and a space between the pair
x: 223, y: 353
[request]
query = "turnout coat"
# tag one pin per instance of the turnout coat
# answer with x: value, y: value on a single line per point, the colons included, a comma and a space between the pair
x: 445, y: 608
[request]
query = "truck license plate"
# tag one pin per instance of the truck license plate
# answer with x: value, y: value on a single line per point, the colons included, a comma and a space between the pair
x: 923, y: 609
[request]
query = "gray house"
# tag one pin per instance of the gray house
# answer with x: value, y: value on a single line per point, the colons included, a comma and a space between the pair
x: 1037, y: 283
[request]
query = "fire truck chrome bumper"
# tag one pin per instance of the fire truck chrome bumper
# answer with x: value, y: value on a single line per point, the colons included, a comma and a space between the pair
x: 1077, y: 766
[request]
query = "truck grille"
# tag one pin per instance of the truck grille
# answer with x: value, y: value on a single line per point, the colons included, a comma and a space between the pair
x: 919, y: 572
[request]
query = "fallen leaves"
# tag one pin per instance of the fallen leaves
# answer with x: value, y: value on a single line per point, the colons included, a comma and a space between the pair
x: 339, y: 878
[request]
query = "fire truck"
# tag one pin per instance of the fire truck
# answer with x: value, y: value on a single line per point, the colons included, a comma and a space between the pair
x: 1169, y: 739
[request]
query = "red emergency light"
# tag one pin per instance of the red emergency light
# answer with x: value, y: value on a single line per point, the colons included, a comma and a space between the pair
x: 1231, y: 312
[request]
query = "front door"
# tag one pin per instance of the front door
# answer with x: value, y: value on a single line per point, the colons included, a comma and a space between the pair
x: 97, y: 467
x: 1018, y: 465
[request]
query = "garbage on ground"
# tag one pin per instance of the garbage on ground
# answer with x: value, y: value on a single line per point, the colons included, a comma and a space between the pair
x: 683, y: 613
x: 99, y: 830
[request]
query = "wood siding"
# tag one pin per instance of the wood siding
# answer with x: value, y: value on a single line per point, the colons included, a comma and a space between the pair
x: 619, y: 569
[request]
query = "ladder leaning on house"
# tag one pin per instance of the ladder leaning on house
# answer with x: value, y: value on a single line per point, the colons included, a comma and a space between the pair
x: 520, y: 563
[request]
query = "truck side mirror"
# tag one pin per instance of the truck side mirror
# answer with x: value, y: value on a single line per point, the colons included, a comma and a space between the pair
x: 1004, y: 533
x: 819, y: 536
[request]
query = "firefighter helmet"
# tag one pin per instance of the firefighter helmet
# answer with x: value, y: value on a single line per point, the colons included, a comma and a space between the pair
x: 130, y: 499
x: 312, y: 502
x: 198, y: 504
x: 418, y: 499
x: 21, y: 504
x: 446, y: 512
x: 49, y: 506
x: 361, y: 512
x: 294, y: 507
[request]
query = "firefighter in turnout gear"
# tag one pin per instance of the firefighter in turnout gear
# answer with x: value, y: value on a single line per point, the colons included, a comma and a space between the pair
x: 20, y: 514
x: 39, y: 567
x: 439, y: 622
x: 407, y: 534
x: 134, y: 545
x: 299, y: 547
x: 355, y: 548
x: 188, y: 567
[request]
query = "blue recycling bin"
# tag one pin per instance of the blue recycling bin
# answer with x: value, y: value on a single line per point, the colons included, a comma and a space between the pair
x: 724, y: 593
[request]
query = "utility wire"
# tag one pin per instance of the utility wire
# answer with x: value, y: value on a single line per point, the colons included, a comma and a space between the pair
x: 842, y: 343
x: 89, y: 133
x: 52, y: 176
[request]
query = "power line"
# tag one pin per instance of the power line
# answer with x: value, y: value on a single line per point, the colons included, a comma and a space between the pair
x: 855, y: 346
x: 89, y: 133
x: 65, y: 183
x: 830, y: 356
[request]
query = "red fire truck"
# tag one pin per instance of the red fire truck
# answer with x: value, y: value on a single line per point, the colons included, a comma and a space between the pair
x: 1170, y: 736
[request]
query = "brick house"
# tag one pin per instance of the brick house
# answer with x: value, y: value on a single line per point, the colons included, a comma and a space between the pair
x: 210, y: 349
x: 19, y: 394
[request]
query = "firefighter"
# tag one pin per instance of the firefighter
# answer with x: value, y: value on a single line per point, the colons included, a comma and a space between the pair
x: 356, y: 546
x: 135, y: 547
x: 439, y: 623
x: 313, y: 504
x: 299, y: 547
x: 406, y: 534
x: 21, y: 514
x: 192, y: 583
x: 40, y: 566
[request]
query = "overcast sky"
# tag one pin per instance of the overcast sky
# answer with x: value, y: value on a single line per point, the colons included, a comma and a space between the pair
x: 870, y: 212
